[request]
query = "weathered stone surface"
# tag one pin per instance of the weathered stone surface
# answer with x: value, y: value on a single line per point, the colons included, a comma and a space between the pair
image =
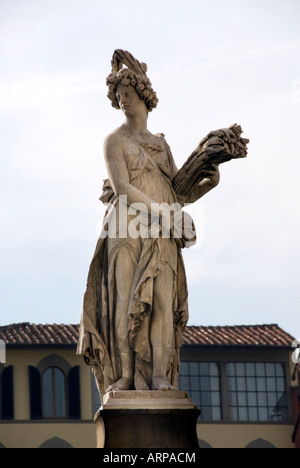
x: 150, y: 399
x: 135, y: 307
x: 147, y: 419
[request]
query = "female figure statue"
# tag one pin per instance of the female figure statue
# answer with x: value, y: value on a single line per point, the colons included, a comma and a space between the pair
x: 135, y: 306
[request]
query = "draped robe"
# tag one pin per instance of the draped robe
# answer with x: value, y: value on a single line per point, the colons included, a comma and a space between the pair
x: 152, y: 174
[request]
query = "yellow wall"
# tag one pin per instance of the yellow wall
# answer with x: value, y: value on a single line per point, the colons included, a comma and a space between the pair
x: 240, y: 435
x: 22, y: 359
x: 33, y: 435
x: 22, y: 432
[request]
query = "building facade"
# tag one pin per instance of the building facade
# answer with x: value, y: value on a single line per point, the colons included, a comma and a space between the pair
x: 242, y: 378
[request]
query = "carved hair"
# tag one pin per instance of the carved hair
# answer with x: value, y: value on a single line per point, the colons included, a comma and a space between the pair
x: 134, y: 75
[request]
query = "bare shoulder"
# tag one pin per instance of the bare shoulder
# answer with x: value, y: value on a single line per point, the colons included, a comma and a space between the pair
x: 114, y: 137
x: 114, y: 142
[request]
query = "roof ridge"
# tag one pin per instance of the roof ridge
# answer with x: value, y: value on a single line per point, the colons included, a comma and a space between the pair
x: 26, y: 333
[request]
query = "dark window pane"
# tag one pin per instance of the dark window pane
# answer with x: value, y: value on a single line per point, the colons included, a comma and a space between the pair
x: 242, y: 399
x: 260, y: 395
x: 206, y: 414
x: 282, y: 399
x: 271, y: 384
x: 262, y: 399
x: 251, y: 384
x: 214, y: 383
x: 283, y: 411
x: 54, y: 393
x: 213, y: 369
x: 230, y: 369
x: 279, y: 370
x: 184, y: 368
x: 250, y: 369
x: 260, y: 369
x: 215, y: 399
x: 59, y: 393
x: 261, y: 384
x: 194, y: 383
x: 241, y: 384
x: 201, y: 380
x: 263, y: 414
x: 253, y: 414
x: 231, y: 383
x: 195, y: 396
x: 184, y: 383
x: 252, y: 399
x: 240, y: 369
x: 204, y: 368
x: 233, y: 411
x: 272, y: 399
x: 275, y: 417
x: 270, y: 369
x: 48, y: 394
x: 232, y: 396
x: 243, y: 414
x: 280, y: 384
x: 205, y: 383
x: 216, y: 413
x: 194, y: 368
x: 205, y: 399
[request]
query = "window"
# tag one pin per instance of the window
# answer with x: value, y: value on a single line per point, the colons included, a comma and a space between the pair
x: 54, y: 393
x: 257, y: 391
x: 202, y: 381
x: 6, y: 392
x: 54, y: 389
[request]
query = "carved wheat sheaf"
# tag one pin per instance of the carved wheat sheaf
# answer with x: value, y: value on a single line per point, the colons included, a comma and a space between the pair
x: 217, y: 147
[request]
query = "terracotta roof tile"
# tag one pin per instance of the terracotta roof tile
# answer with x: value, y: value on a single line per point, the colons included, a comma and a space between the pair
x: 33, y: 334
x: 252, y: 335
x: 59, y: 334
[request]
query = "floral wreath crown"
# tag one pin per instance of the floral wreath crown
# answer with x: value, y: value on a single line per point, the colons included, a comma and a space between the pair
x: 134, y: 75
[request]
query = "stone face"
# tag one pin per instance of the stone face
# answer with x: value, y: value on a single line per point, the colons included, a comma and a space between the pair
x: 147, y: 419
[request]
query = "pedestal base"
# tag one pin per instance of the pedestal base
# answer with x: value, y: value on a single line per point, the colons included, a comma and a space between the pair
x: 147, y: 419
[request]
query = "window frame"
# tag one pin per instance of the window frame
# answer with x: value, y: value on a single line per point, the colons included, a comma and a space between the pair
x: 223, y: 355
x: 236, y: 375
x: 53, y: 394
x: 209, y: 376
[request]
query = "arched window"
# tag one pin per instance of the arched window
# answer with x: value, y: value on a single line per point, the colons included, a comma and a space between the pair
x: 54, y: 393
x: 54, y: 389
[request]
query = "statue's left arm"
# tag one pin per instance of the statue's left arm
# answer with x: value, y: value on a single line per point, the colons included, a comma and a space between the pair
x: 205, y: 186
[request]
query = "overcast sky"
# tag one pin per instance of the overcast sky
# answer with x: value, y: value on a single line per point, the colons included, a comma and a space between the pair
x: 213, y: 63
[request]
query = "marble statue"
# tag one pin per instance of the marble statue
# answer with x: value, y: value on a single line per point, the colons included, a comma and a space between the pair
x: 135, y: 306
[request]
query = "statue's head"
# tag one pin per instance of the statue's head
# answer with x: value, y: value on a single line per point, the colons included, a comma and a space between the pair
x: 134, y: 75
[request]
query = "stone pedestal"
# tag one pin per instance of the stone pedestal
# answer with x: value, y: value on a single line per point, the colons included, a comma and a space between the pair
x: 147, y: 419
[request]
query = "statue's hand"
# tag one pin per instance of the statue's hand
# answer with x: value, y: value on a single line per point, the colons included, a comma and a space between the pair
x: 214, y: 175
